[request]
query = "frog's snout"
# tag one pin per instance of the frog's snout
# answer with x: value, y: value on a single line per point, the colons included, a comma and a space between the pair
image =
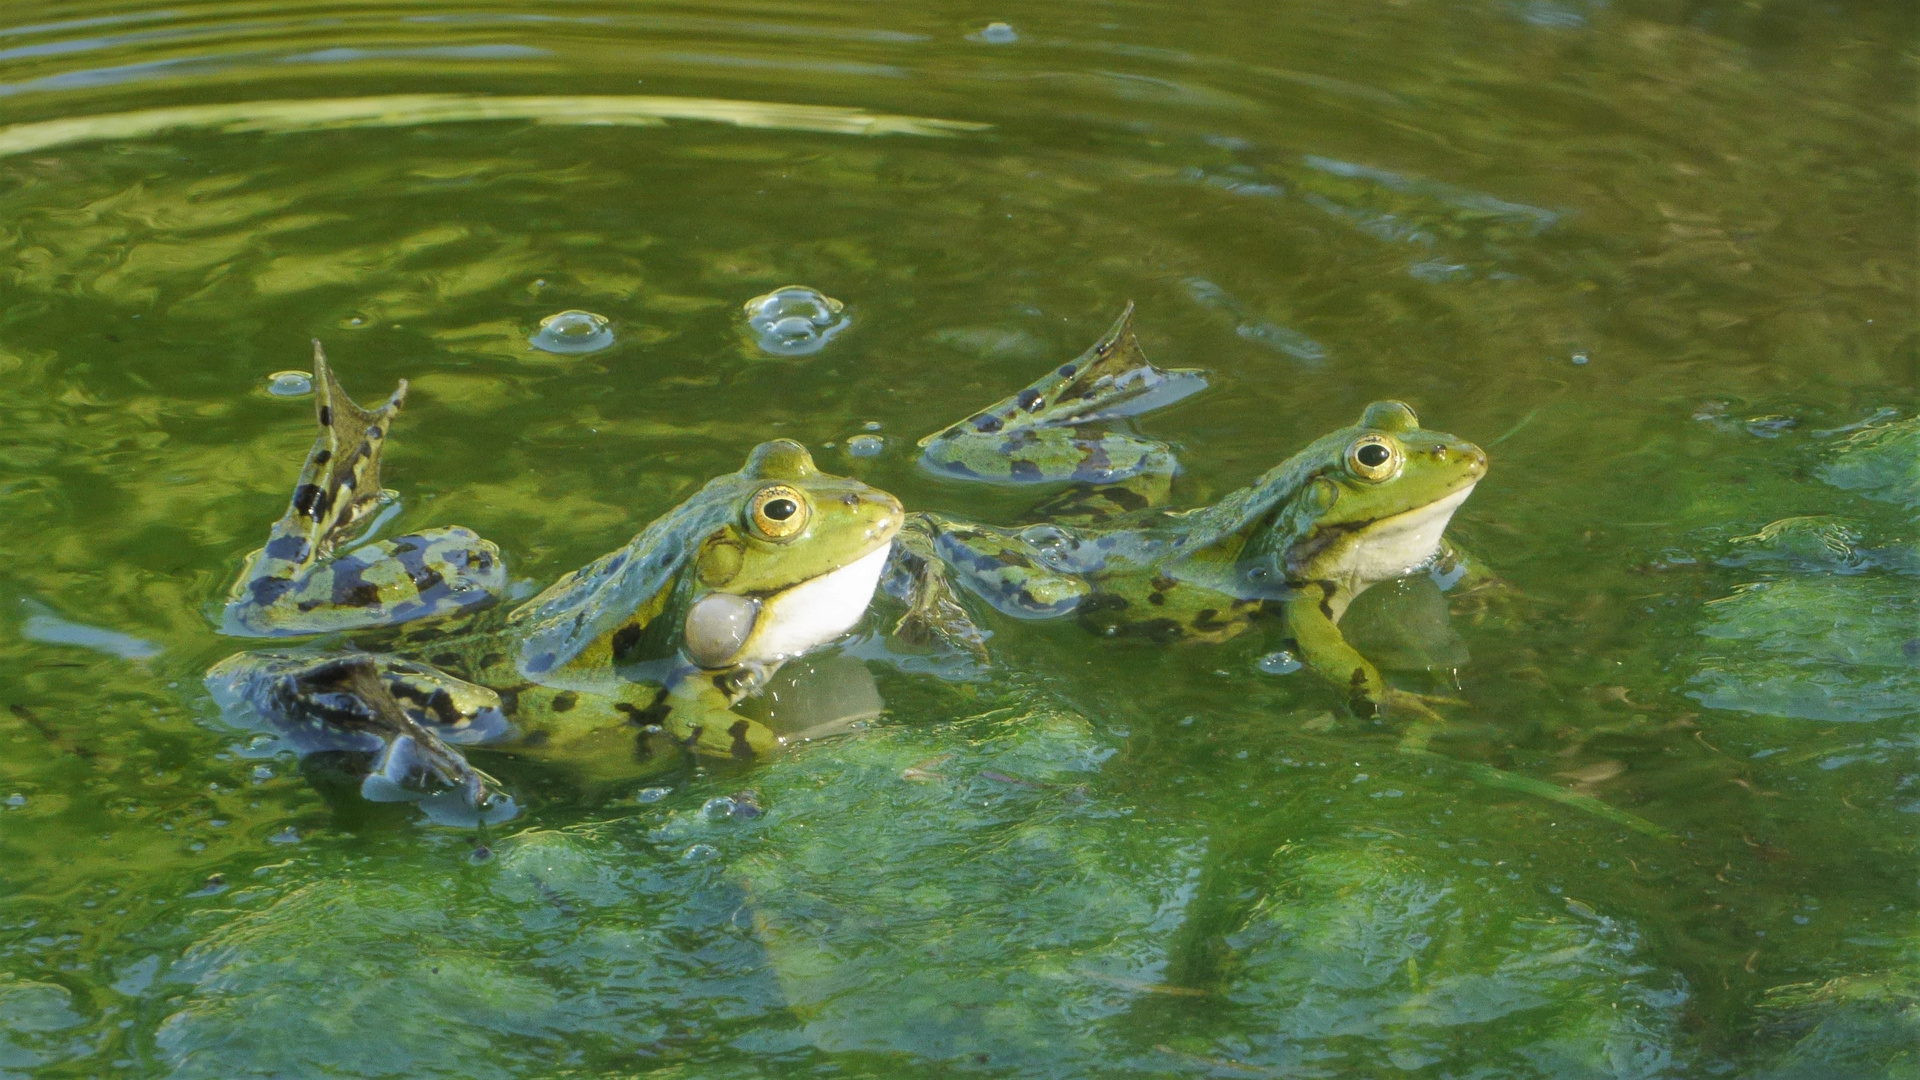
x: 1472, y: 456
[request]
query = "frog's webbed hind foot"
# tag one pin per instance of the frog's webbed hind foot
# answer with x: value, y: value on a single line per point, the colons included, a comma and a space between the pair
x: 296, y: 584
x: 403, y: 716
x: 340, y: 483
x: 916, y: 574
x: 1036, y: 436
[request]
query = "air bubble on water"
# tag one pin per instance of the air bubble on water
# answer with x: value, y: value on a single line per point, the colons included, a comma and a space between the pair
x: 572, y: 332
x: 16, y: 800
x: 289, y: 384
x: 262, y: 774
x: 652, y: 794
x: 718, y: 808
x: 795, y: 320
x: 1279, y: 663
x: 872, y: 425
x: 288, y: 835
x: 1580, y: 358
x: 866, y: 445
x: 995, y: 33
x: 700, y: 853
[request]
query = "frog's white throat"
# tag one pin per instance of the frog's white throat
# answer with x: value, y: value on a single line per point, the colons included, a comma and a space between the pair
x: 723, y: 630
x: 1397, y: 546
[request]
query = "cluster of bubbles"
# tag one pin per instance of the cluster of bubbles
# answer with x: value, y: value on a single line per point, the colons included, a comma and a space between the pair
x: 795, y: 320
x: 868, y: 445
x: 572, y: 332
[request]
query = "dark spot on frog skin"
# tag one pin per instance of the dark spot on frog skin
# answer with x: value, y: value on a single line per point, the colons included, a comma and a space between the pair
x: 540, y: 663
x: 1326, y: 597
x: 326, y: 416
x: 446, y: 659
x: 1028, y: 399
x: 625, y: 640
x: 304, y: 499
x: 267, y: 590
x: 1067, y: 370
x: 1025, y: 471
x: 988, y: 424
x: 1357, y: 693
x: 1208, y: 620
x: 1161, y: 631
x: 536, y: 738
x: 441, y: 705
x: 321, y: 457
x: 1157, y: 598
x: 291, y: 548
x: 491, y: 659
x: 741, y: 748
x: 349, y: 590
x: 565, y: 700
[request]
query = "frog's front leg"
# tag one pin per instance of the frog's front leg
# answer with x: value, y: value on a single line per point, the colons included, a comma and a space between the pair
x: 407, y: 717
x: 1310, y: 620
x: 296, y: 584
x: 699, y: 712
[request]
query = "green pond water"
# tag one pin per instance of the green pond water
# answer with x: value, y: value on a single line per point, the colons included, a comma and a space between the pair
x: 1657, y: 257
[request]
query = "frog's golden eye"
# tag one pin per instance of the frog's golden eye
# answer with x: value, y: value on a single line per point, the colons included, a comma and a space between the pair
x: 778, y: 512
x: 1374, y: 458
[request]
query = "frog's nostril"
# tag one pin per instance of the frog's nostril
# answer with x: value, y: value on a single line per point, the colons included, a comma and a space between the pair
x: 852, y: 500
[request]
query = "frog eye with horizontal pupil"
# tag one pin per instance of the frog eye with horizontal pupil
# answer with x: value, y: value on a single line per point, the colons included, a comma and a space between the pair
x: 1374, y: 458
x: 778, y: 512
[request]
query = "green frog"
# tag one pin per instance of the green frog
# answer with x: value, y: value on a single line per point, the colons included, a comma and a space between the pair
x: 1358, y: 506
x: 607, y: 670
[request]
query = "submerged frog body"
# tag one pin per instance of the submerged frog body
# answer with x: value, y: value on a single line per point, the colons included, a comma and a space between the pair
x: 606, y: 670
x: 1358, y: 506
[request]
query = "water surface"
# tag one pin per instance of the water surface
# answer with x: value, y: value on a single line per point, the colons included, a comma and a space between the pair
x: 1658, y: 258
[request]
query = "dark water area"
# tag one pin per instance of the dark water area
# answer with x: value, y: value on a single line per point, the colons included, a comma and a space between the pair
x: 1659, y: 259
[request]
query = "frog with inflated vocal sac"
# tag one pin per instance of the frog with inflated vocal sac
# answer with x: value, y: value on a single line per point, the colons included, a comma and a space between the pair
x: 606, y: 671
x: 1358, y: 506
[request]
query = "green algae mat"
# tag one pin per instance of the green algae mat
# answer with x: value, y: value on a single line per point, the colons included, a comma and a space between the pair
x: 1657, y: 259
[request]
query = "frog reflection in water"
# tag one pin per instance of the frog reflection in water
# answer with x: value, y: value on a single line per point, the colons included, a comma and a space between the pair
x: 1358, y: 506
x: 646, y: 647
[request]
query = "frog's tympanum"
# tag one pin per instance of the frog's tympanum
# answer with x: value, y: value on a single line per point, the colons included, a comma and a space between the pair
x: 1358, y: 506
x: 607, y: 670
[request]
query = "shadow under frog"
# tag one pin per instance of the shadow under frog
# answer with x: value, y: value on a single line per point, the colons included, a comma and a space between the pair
x: 635, y: 659
x: 1359, y: 506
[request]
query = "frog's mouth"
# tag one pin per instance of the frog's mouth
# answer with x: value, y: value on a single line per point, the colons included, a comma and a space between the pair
x: 724, y: 629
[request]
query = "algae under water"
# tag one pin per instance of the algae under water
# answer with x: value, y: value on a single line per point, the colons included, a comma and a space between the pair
x: 1658, y: 258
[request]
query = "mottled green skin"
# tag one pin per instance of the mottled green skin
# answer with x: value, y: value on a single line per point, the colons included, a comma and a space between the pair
x: 590, y: 671
x: 1293, y: 546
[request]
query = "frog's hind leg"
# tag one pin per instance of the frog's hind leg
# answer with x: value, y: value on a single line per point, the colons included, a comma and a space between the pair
x: 296, y: 584
x: 1041, y: 434
x: 406, y: 718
